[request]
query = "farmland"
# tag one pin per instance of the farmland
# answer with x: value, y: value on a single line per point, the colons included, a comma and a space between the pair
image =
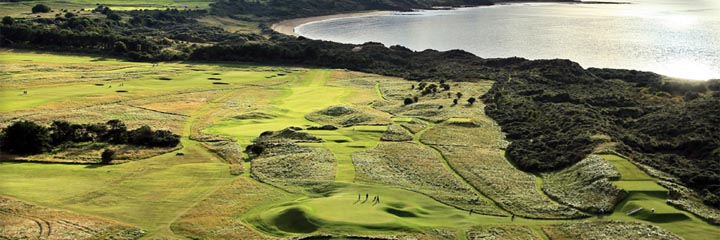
x: 421, y: 167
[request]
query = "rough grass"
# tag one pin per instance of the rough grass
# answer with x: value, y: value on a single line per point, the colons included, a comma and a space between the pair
x: 512, y: 189
x: 396, y: 133
x: 688, y: 200
x: 21, y: 220
x: 473, y: 149
x: 502, y: 232
x: 219, y: 215
x: 428, y: 106
x: 607, y: 230
x: 585, y: 185
x: 417, y: 168
x: 347, y: 116
x: 303, y: 167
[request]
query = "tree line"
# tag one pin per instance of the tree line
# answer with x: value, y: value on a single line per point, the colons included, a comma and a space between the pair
x: 27, y: 137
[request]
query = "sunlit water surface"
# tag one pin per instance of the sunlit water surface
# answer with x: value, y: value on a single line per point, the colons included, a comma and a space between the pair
x: 678, y: 38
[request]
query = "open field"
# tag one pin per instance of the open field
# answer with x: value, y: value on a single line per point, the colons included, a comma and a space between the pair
x: 425, y: 184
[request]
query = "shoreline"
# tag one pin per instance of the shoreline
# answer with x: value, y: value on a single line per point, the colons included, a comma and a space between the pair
x: 287, y: 27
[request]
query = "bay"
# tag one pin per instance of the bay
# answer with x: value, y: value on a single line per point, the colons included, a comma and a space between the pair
x: 677, y: 38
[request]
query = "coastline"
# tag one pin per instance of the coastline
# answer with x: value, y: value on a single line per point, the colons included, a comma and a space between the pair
x: 287, y: 27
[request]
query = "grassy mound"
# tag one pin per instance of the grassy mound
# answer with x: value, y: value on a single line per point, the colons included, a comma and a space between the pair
x: 585, y: 185
x: 396, y: 133
x: 347, y: 116
x: 295, y: 168
x: 294, y: 220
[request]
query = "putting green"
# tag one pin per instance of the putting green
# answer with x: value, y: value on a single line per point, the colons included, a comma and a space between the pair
x: 341, y: 212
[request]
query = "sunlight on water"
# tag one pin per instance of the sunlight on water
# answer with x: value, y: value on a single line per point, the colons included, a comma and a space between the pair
x: 687, y: 69
x: 678, y: 38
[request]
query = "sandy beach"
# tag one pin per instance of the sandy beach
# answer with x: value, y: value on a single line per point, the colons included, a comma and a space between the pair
x: 287, y: 27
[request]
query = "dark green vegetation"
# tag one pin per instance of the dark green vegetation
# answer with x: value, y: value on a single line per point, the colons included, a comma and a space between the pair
x: 147, y: 35
x: 26, y: 137
x: 557, y: 113
x: 283, y: 9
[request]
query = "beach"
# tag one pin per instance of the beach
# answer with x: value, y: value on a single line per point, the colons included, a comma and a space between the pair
x: 287, y: 27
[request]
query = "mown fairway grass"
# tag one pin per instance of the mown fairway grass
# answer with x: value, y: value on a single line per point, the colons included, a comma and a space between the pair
x: 644, y: 192
x: 196, y: 191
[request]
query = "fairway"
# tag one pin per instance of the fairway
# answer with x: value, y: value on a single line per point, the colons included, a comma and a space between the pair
x: 448, y: 179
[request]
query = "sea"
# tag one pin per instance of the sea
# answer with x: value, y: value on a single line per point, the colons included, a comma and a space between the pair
x: 676, y: 38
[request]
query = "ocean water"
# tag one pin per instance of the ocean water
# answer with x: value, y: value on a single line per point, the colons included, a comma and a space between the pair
x: 677, y: 38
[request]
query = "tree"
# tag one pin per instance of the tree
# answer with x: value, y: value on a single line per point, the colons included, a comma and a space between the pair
x: 459, y: 95
x: 107, y: 156
x: 25, y: 137
x: 471, y: 100
x: 8, y: 20
x: 455, y: 102
x: 41, y: 8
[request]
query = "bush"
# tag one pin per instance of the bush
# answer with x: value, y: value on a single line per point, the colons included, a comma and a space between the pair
x: 408, y: 101
x: 41, y: 8
x: 107, y: 156
x: 7, y: 20
x: 145, y: 136
x: 25, y: 137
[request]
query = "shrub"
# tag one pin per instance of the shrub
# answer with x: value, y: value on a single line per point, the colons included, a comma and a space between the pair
x: 107, y: 156
x: 40, y: 8
x: 408, y: 101
x: 145, y: 136
x: 471, y: 101
x: 7, y: 20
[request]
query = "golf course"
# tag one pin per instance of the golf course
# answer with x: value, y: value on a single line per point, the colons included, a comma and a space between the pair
x: 384, y: 170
